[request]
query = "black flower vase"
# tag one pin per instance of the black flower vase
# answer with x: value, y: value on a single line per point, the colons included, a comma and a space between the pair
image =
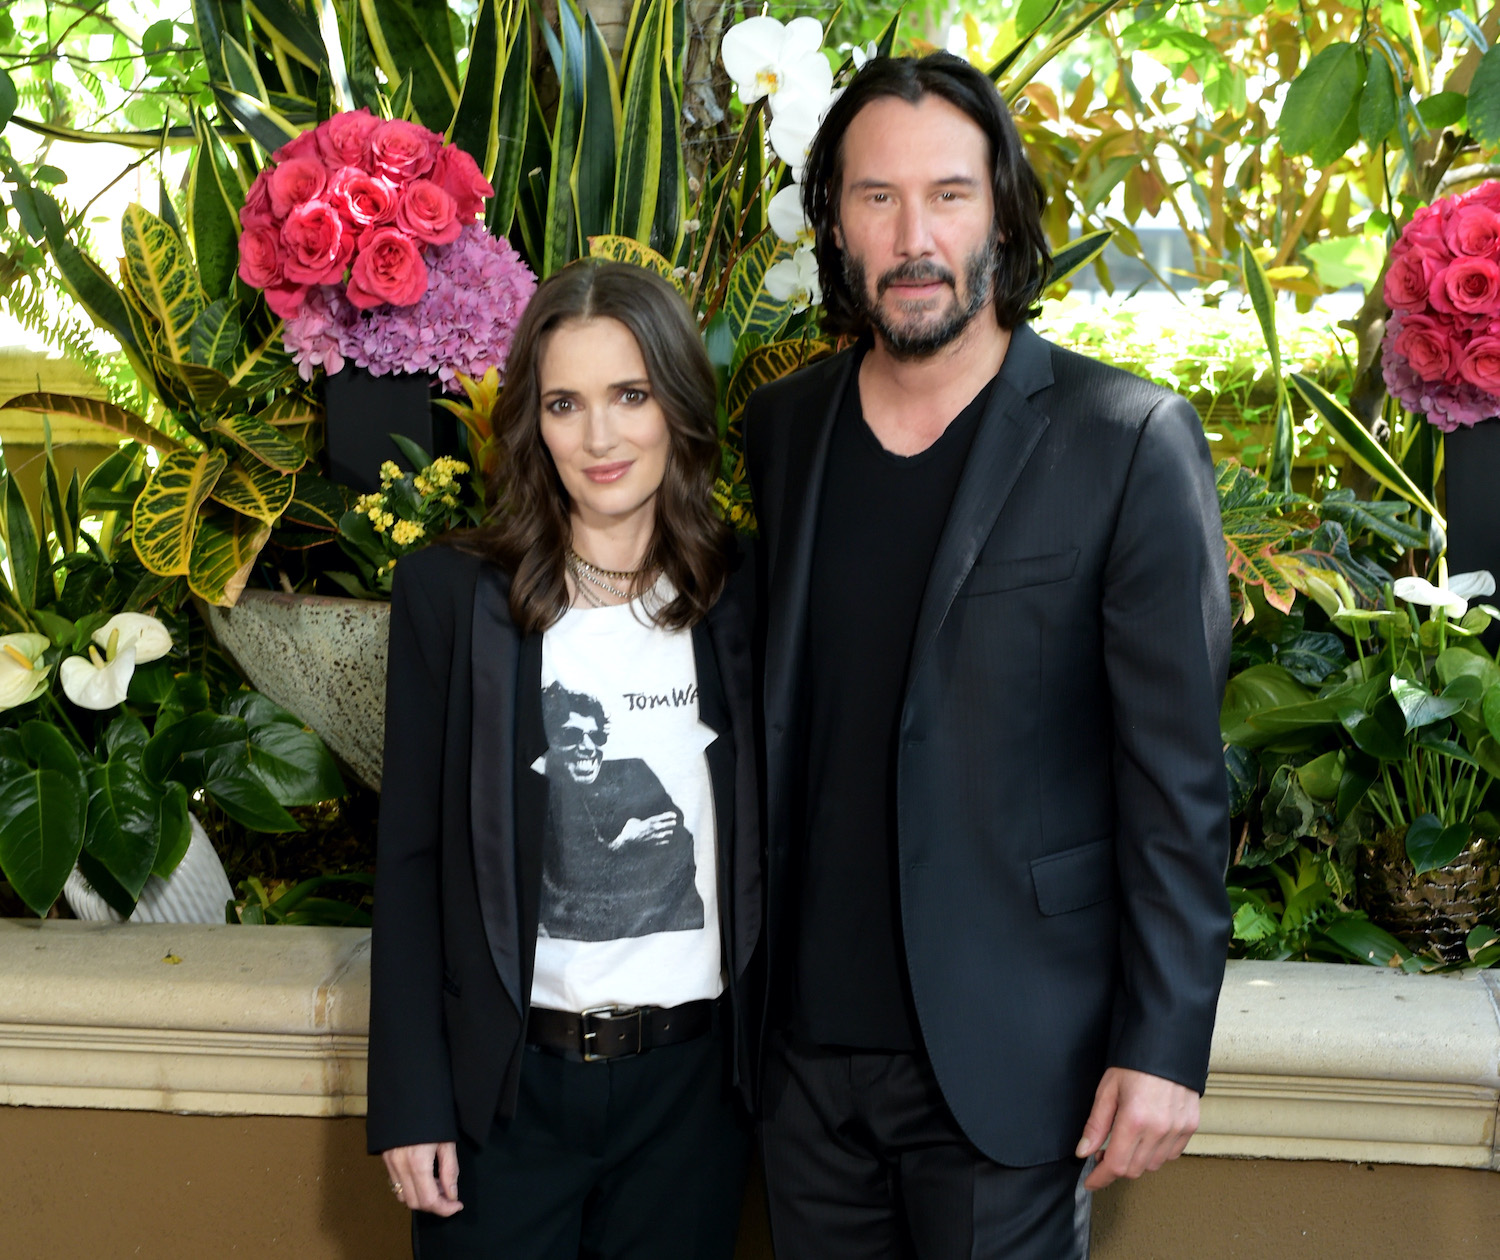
x: 362, y: 413
x: 1471, y: 476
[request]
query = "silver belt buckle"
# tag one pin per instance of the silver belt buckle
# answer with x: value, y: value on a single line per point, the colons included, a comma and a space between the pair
x: 611, y: 1012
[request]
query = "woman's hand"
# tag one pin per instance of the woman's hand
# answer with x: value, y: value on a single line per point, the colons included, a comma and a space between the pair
x: 412, y: 1176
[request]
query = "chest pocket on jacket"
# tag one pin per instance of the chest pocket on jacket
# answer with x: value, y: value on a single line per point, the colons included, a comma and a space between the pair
x: 1006, y: 575
x: 1074, y: 878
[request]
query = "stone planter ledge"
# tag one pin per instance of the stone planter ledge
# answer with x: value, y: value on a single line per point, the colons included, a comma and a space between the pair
x: 1310, y: 1061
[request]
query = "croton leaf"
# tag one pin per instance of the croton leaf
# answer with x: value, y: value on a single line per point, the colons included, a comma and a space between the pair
x: 267, y: 443
x: 163, y: 278
x: 253, y: 489
x: 224, y: 549
x: 165, y: 517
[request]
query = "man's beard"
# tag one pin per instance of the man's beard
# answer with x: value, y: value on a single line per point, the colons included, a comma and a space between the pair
x: 923, y: 340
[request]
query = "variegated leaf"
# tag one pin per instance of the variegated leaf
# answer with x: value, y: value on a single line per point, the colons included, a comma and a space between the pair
x: 747, y: 305
x: 224, y: 552
x: 268, y: 444
x: 260, y: 363
x: 118, y: 420
x: 163, y: 278
x: 770, y: 363
x: 165, y: 516
x: 317, y: 503
x: 623, y: 249
x: 254, y: 489
x: 216, y: 333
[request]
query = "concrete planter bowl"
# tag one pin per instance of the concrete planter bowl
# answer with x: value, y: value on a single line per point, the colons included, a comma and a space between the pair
x: 320, y: 658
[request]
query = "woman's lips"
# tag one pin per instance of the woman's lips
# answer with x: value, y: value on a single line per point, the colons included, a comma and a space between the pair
x: 602, y: 474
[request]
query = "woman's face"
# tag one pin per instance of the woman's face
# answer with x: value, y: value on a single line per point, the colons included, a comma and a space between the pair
x: 601, y: 421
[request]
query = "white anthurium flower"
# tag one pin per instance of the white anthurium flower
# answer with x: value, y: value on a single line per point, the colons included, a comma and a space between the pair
x: 1415, y: 590
x: 145, y: 634
x: 22, y: 677
x: 787, y: 219
x: 97, y: 682
x: 765, y: 58
x: 793, y: 126
x: 795, y: 280
x: 1467, y: 585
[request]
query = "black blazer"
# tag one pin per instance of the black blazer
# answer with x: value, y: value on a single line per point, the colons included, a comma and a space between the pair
x: 459, y: 858
x: 1062, y: 813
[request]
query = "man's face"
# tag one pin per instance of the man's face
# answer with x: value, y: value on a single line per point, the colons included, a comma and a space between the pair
x: 578, y: 744
x: 916, y: 221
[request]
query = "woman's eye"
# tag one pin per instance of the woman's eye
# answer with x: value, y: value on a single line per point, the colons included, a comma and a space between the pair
x: 560, y: 405
x: 633, y: 397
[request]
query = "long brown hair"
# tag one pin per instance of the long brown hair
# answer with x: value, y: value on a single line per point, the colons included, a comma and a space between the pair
x: 528, y: 530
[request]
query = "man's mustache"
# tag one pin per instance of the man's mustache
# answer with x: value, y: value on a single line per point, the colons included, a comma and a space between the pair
x: 914, y: 273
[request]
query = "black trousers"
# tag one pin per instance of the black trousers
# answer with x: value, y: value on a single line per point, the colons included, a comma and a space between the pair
x: 865, y: 1162
x: 633, y: 1159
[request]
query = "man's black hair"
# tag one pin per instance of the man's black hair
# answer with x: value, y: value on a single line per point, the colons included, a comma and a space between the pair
x: 558, y: 702
x: 1023, y: 257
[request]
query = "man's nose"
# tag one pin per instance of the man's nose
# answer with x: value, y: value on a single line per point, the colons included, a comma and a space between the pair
x: 913, y: 232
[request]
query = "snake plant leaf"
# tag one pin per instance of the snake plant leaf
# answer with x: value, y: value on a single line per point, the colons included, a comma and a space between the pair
x: 643, y: 132
x: 1264, y: 301
x: 562, y: 242
x: 163, y: 279
x: 593, y: 177
x: 625, y: 250
x: 671, y: 190
x: 472, y: 128
x: 317, y: 503
x: 224, y: 551
x: 333, y: 51
x: 265, y: 442
x: 747, y: 305
x: 215, y: 194
x: 212, y: 25
x: 288, y: 29
x: 398, y: 34
x: 165, y: 517
x: 770, y: 363
x: 253, y: 489
x: 216, y: 333
x: 241, y: 72
x: 43, y: 806
x: 22, y: 548
x: 1078, y: 254
x: 118, y: 420
x: 268, y: 127
x: 1362, y: 447
x: 510, y: 126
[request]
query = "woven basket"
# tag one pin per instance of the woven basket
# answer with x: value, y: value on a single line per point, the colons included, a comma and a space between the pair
x: 1436, y: 910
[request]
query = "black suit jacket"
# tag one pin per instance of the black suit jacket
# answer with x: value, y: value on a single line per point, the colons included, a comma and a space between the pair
x: 459, y: 857
x: 1062, y: 813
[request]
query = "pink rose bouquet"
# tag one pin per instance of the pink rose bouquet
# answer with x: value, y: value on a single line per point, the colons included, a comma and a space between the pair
x: 360, y: 202
x: 469, y: 295
x: 1441, y: 353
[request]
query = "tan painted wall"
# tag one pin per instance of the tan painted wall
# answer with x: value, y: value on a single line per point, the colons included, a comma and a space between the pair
x: 106, y: 1184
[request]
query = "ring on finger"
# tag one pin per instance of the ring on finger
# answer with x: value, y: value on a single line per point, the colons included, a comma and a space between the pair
x: 396, y: 1188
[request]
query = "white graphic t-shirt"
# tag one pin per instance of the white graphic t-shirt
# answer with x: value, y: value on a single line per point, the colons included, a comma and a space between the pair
x: 629, y: 910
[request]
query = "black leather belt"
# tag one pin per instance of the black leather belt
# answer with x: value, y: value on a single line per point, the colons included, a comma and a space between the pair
x: 612, y: 1032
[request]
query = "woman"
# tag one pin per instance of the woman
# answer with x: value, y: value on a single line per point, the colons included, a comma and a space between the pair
x: 568, y: 877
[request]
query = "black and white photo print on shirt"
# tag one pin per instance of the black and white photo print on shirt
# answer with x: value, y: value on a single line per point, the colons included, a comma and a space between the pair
x: 619, y: 857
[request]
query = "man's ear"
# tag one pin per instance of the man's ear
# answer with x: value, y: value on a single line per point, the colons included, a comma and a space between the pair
x: 838, y: 236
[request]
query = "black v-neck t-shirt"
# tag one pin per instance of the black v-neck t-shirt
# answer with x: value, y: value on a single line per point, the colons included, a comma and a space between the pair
x: 879, y: 522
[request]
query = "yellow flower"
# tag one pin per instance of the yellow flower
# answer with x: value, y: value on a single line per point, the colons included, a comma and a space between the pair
x: 424, y: 487
x: 369, y: 503
x: 389, y: 472
x: 380, y: 521
x: 406, y: 532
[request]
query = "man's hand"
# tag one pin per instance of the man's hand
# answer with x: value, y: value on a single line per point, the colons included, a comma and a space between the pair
x: 1146, y: 1119
x: 411, y: 1173
x: 654, y: 830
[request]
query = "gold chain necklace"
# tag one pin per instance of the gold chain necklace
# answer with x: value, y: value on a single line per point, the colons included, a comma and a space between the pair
x: 617, y: 575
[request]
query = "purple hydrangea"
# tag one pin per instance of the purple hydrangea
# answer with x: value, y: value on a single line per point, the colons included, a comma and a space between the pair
x: 1446, y: 405
x: 477, y: 289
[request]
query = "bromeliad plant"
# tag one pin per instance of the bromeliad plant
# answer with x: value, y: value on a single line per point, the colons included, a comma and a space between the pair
x: 113, y: 715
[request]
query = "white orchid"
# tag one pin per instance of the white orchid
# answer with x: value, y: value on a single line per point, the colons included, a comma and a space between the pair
x: 766, y: 58
x: 787, y: 218
x: 22, y: 678
x: 95, y: 681
x: 1453, y: 598
x: 861, y: 55
x: 795, y: 280
x: 793, y: 126
x: 145, y: 634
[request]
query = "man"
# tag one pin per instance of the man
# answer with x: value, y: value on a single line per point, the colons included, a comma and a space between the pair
x: 995, y: 645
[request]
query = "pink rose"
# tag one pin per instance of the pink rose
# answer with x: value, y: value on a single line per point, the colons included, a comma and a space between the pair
x: 294, y: 182
x: 1473, y: 229
x: 286, y: 300
x: 388, y: 268
x: 304, y: 146
x: 344, y: 140
x: 1480, y: 365
x: 260, y: 256
x: 1426, y: 345
x: 257, y: 207
x: 364, y: 200
x: 402, y: 150
x: 459, y: 176
x: 316, y: 246
x: 1426, y: 227
x: 1467, y: 286
x: 1487, y: 194
x: 1408, y: 281
x: 428, y: 213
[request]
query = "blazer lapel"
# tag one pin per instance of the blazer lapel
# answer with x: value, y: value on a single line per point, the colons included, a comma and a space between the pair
x: 1007, y: 435
x: 791, y: 566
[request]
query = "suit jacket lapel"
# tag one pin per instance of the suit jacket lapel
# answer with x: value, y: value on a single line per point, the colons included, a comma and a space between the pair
x: 1008, y: 433
x: 791, y: 566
